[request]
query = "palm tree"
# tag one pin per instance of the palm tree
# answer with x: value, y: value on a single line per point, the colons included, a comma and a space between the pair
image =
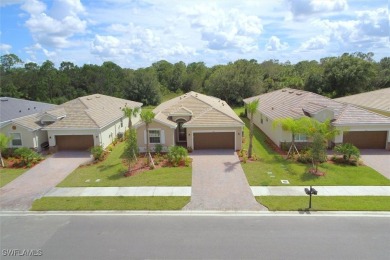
x: 251, y: 109
x: 295, y: 126
x: 4, y: 140
x: 130, y: 112
x: 147, y: 117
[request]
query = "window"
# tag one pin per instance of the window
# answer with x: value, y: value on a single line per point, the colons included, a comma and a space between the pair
x: 16, y: 139
x: 154, y: 136
x: 300, y: 138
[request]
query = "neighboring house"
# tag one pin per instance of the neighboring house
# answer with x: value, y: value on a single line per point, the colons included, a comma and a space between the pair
x: 18, y: 119
x: 195, y: 121
x: 78, y: 124
x: 358, y: 126
x: 87, y: 121
x: 377, y: 101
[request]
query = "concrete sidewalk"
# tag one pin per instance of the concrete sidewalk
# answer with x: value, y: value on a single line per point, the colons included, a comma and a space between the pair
x: 186, y: 191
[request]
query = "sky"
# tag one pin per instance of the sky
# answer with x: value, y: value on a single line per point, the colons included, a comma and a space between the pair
x: 137, y: 33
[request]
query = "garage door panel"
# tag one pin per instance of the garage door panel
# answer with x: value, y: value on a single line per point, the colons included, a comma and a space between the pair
x: 74, y: 142
x: 215, y: 140
x: 366, y: 139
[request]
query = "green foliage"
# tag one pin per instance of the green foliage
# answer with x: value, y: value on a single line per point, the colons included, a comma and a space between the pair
x: 131, y: 148
x: 27, y: 155
x: 251, y: 109
x: 317, y: 150
x: 129, y: 113
x: 4, y: 140
x: 348, y: 151
x: 97, y: 152
x: 177, y: 154
x: 158, y: 148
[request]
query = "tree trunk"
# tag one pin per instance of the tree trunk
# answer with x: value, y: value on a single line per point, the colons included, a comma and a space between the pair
x: 147, y: 142
x: 250, y: 137
x: 1, y: 158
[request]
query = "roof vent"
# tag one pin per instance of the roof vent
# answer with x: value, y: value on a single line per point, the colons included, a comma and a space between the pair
x: 98, y: 96
x: 20, y: 111
x: 88, y: 98
x: 284, y: 90
x: 291, y: 91
x: 299, y: 93
x: 35, y: 107
x: 272, y: 108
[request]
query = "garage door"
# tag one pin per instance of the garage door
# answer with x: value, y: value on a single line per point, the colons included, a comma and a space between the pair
x: 222, y: 140
x: 74, y: 142
x: 366, y: 139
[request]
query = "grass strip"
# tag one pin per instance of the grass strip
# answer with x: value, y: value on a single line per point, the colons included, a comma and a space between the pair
x: 323, y: 203
x: 110, y: 203
x: 7, y: 175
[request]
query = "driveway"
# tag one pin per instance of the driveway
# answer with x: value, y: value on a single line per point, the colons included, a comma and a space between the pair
x: 219, y: 183
x: 33, y: 184
x: 379, y: 160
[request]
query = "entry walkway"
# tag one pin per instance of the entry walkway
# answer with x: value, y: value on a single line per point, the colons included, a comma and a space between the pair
x: 186, y: 191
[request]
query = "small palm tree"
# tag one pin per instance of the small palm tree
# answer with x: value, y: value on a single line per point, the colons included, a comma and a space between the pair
x: 4, y: 140
x: 251, y: 109
x: 129, y: 113
x: 295, y: 126
x: 147, y: 117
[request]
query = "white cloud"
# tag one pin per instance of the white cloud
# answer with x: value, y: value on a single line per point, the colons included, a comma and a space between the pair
x: 5, y: 47
x: 301, y: 8
x: 10, y: 2
x: 56, y: 30
x: 225, y: 29
x: 36, y: 48
x: 315, y: 43
x: 275, y: 44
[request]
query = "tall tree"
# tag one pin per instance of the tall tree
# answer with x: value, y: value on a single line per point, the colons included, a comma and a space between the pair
x: 131, y: 149
x: 251, y: 109
x: 130, y: 113
x: 147, y: 117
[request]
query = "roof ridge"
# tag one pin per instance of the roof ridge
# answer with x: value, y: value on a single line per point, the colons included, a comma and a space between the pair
x: 86, y: 110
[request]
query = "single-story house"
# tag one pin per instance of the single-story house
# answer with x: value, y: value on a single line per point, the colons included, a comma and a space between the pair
x: 363, y: 128
x: 195, y: 121
x: 18, y: 120
x: 377, y: 101
x: 78, y: 124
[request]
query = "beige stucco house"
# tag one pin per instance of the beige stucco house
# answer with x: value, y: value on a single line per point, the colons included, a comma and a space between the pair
x: 79, y: 124
x: 195, y: 121
x: 363, y: 128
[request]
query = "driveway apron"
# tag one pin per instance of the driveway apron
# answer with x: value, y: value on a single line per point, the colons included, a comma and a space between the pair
x: 33, y: 184
x: 219, y: 183
x: 377, y: 159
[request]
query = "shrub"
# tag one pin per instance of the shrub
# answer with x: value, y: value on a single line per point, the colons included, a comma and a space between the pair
x: 242, y: 114
x: 348, y: 151
x: 158, y: 148
x: 27, y: 156
x: 97, y: 152
x: 176, y: 154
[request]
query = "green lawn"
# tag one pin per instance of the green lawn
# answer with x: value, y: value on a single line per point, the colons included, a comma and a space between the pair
x: 346, y: 203
x: 9, y: 174
x: 272, y: 168
x: 109, y: 173
x: 109, y: 203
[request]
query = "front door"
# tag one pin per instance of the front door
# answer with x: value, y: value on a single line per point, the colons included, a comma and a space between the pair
x: 182, y: 132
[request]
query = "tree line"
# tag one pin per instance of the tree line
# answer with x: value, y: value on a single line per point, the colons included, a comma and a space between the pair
x: 331, y: 76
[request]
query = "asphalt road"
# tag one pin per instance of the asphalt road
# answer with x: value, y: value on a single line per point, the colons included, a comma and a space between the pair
x: 195, y: 237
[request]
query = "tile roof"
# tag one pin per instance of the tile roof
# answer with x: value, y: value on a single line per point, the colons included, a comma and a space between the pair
x: 12, y: 108
x: 206, y: 110
x: 93, y: 111
x: 377, y: 99
x: 31, y: 122
x: 297, y: 103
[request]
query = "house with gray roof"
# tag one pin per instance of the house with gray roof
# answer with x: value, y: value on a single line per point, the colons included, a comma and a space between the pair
x: 361, y: 127
x: 18, y: 119
x: 377, y: 101
x: 193, y: 120
x: 79, y: 124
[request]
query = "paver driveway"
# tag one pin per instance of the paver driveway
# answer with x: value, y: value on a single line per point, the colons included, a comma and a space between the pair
x: 378, y: 160
x: 33, y: 184
x: 219, y: 183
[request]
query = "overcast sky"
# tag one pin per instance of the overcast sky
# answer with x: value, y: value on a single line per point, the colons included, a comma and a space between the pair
x: 135, y: 34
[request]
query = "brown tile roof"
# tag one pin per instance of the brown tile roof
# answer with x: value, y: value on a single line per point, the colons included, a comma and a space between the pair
x: 297, y: 103
x: 93, y: 111
x: 377, y: 99
x: 31, y: 122
x: 206, y: 110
